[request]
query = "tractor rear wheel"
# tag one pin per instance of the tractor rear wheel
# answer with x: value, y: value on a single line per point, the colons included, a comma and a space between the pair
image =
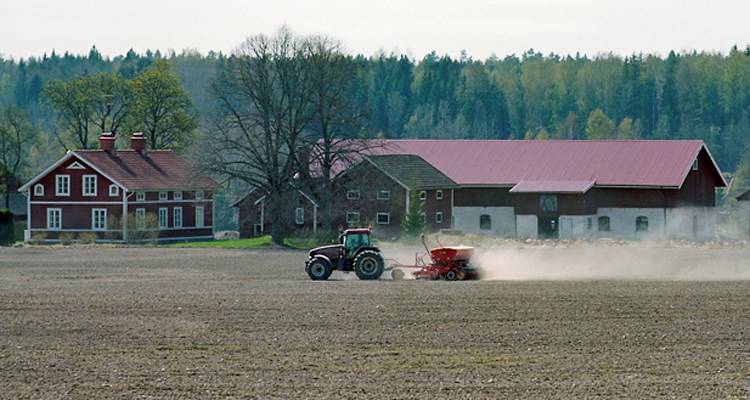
x: 368, y: 265
x: 319, y: 269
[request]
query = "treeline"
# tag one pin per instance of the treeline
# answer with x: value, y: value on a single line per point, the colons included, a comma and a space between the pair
x: 532, y: 96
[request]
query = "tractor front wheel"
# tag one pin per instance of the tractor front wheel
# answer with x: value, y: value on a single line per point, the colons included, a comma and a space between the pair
x: 319, y: 269
x: 368, y: 265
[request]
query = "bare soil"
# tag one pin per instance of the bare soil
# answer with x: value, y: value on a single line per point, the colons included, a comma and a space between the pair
x: 153, y: 323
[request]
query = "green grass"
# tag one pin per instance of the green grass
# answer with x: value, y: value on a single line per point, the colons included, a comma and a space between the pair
x: 251, y: 243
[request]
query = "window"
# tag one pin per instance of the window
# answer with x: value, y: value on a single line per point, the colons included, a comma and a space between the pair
x: 163, y: 218
x: 62, y: 185
x: 140, y: 218
x: 199, y: 195
x: 548, y: 202
x: 76, y: 165
x: 439, y: 194
x: 177, y: 195
x: 200, y: 217
x: 299, y: 216
x: 485, y: 222
x: 177, y: 217
x: 384, y: 218
x: 38, y: 189
x: 89, y: 185
x: 384, y: 195
x: 423, y: 218
x: 352, y: 194
x: 114, y: 190
x: 54, y: 218
x: 140, y: 196
x: 439, y: 217
x: 162, y: 196
x: 641, y: 224
x: 603, y: 224
x: 99, y: 219
x: 695, y: 165
x: 352, y: 218
x: 422, y: 195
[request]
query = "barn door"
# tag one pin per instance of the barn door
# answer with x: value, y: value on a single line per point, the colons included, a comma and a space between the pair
x: 566, y: 228
x: 548, y: 228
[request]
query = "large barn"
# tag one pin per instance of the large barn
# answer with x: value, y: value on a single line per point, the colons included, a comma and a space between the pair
x: 637, y: 189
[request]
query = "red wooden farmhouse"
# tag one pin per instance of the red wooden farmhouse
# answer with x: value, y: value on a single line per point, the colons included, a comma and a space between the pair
x: 85, y: 191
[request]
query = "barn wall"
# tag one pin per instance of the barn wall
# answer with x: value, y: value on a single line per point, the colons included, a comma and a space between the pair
x: 502, y: 220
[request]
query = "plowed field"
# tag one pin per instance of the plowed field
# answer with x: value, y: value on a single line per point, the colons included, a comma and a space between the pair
x: 132, y: 323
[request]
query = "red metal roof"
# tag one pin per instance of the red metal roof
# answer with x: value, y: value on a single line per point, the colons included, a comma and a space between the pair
x: 157, y: 169
x: 552, y: 186
x: 652, y: 163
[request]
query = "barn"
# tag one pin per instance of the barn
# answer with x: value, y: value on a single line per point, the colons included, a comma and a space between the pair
x: 89, y: 191
x: 636, y: 189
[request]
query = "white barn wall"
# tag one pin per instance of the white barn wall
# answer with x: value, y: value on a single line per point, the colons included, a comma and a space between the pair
x: 527, y: 226
x: 622, y: 223
x: 691, y: 223
x: 503, y: 220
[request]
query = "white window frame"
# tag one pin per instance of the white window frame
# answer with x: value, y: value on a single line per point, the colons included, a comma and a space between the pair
x: 387, y: 218
x: 439, y: 194
x: 439, y: 217
x: 38, y: 189
x: 140, y: 196
x: 177, y: 195
x: 62, y: 185
x: 177, y: 217
x: 89, y: 183
x: 140, y: 218
x: 199, y: 195
x: 163, y: 218
x: 384, y: 195
x: 163, y: 196
x: 200, y: 217
x: 353, y: 194
x: 422, y: 195
x: 352, y: 217
x: 299, y: 216
x: 54, y: 219
x: 98, y: 219
x: 114, y: 190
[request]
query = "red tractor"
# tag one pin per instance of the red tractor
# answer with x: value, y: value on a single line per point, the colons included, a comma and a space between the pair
x: 354, y: 252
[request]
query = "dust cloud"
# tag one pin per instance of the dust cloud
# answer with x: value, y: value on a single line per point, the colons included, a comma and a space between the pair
x: 601, y: 262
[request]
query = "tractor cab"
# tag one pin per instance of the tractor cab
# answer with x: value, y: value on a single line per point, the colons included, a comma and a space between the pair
x: 352, y: 240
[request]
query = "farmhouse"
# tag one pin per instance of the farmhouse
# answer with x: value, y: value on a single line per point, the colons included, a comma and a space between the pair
x: 89, y: 191
x: 633, y: 189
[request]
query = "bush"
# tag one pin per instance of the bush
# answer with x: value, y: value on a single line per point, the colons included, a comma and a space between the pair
x: 87, y: 238
x: 144, y: 229
x: 7, y: 234
x: 38, y: 238
x: 66, y: 238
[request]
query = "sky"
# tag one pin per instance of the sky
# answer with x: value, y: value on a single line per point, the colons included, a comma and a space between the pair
x: 481, y: 28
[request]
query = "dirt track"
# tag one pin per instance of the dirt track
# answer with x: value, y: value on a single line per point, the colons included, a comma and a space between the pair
x: 180, y: 323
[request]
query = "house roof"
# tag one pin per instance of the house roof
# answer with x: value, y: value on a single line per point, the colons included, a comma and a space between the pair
x: 131, y: 170
x: 411, y: 170
x: 565, y: 165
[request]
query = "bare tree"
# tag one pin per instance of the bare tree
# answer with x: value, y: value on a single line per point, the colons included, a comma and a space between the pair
x: 16, y: 134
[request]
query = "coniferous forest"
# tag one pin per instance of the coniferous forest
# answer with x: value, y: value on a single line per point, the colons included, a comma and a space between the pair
x: 702, y: 96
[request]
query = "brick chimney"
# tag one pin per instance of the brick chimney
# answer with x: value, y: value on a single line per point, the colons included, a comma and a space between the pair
x: 138, y: 143
x: 107, y: 143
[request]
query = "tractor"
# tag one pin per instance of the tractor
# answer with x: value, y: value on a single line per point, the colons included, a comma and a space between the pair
x: 354, y: 252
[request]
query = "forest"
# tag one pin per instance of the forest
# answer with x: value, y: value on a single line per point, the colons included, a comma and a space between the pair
x: 694, y: 95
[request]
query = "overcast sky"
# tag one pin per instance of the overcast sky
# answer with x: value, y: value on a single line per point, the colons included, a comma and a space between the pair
x: 413, y: 27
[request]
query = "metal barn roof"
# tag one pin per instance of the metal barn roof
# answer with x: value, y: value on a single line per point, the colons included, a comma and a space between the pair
x: 568, y: 165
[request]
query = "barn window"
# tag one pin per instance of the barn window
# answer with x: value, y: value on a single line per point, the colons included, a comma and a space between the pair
x: 200, y: 217
x: 384, y: 195
x: 299, y: 216
x: 352, y: 218
x: 177, y: 217
x: 439, y: 194
x: 695, y: 165
x: 177, y: 195
x: 485, y: 222
x: 641, y: 224
x: 140, y: 196
x: 422, y: 195
x: 140, y: 218
x: 548, y: 202
x: 38, y: 189
x: 114, y: 190
x: 162, y: 196
x: 603, y: 224
x: 384, y: 218
x: 199, y: 195
x: 352, y: 194
x: 439, y: 217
